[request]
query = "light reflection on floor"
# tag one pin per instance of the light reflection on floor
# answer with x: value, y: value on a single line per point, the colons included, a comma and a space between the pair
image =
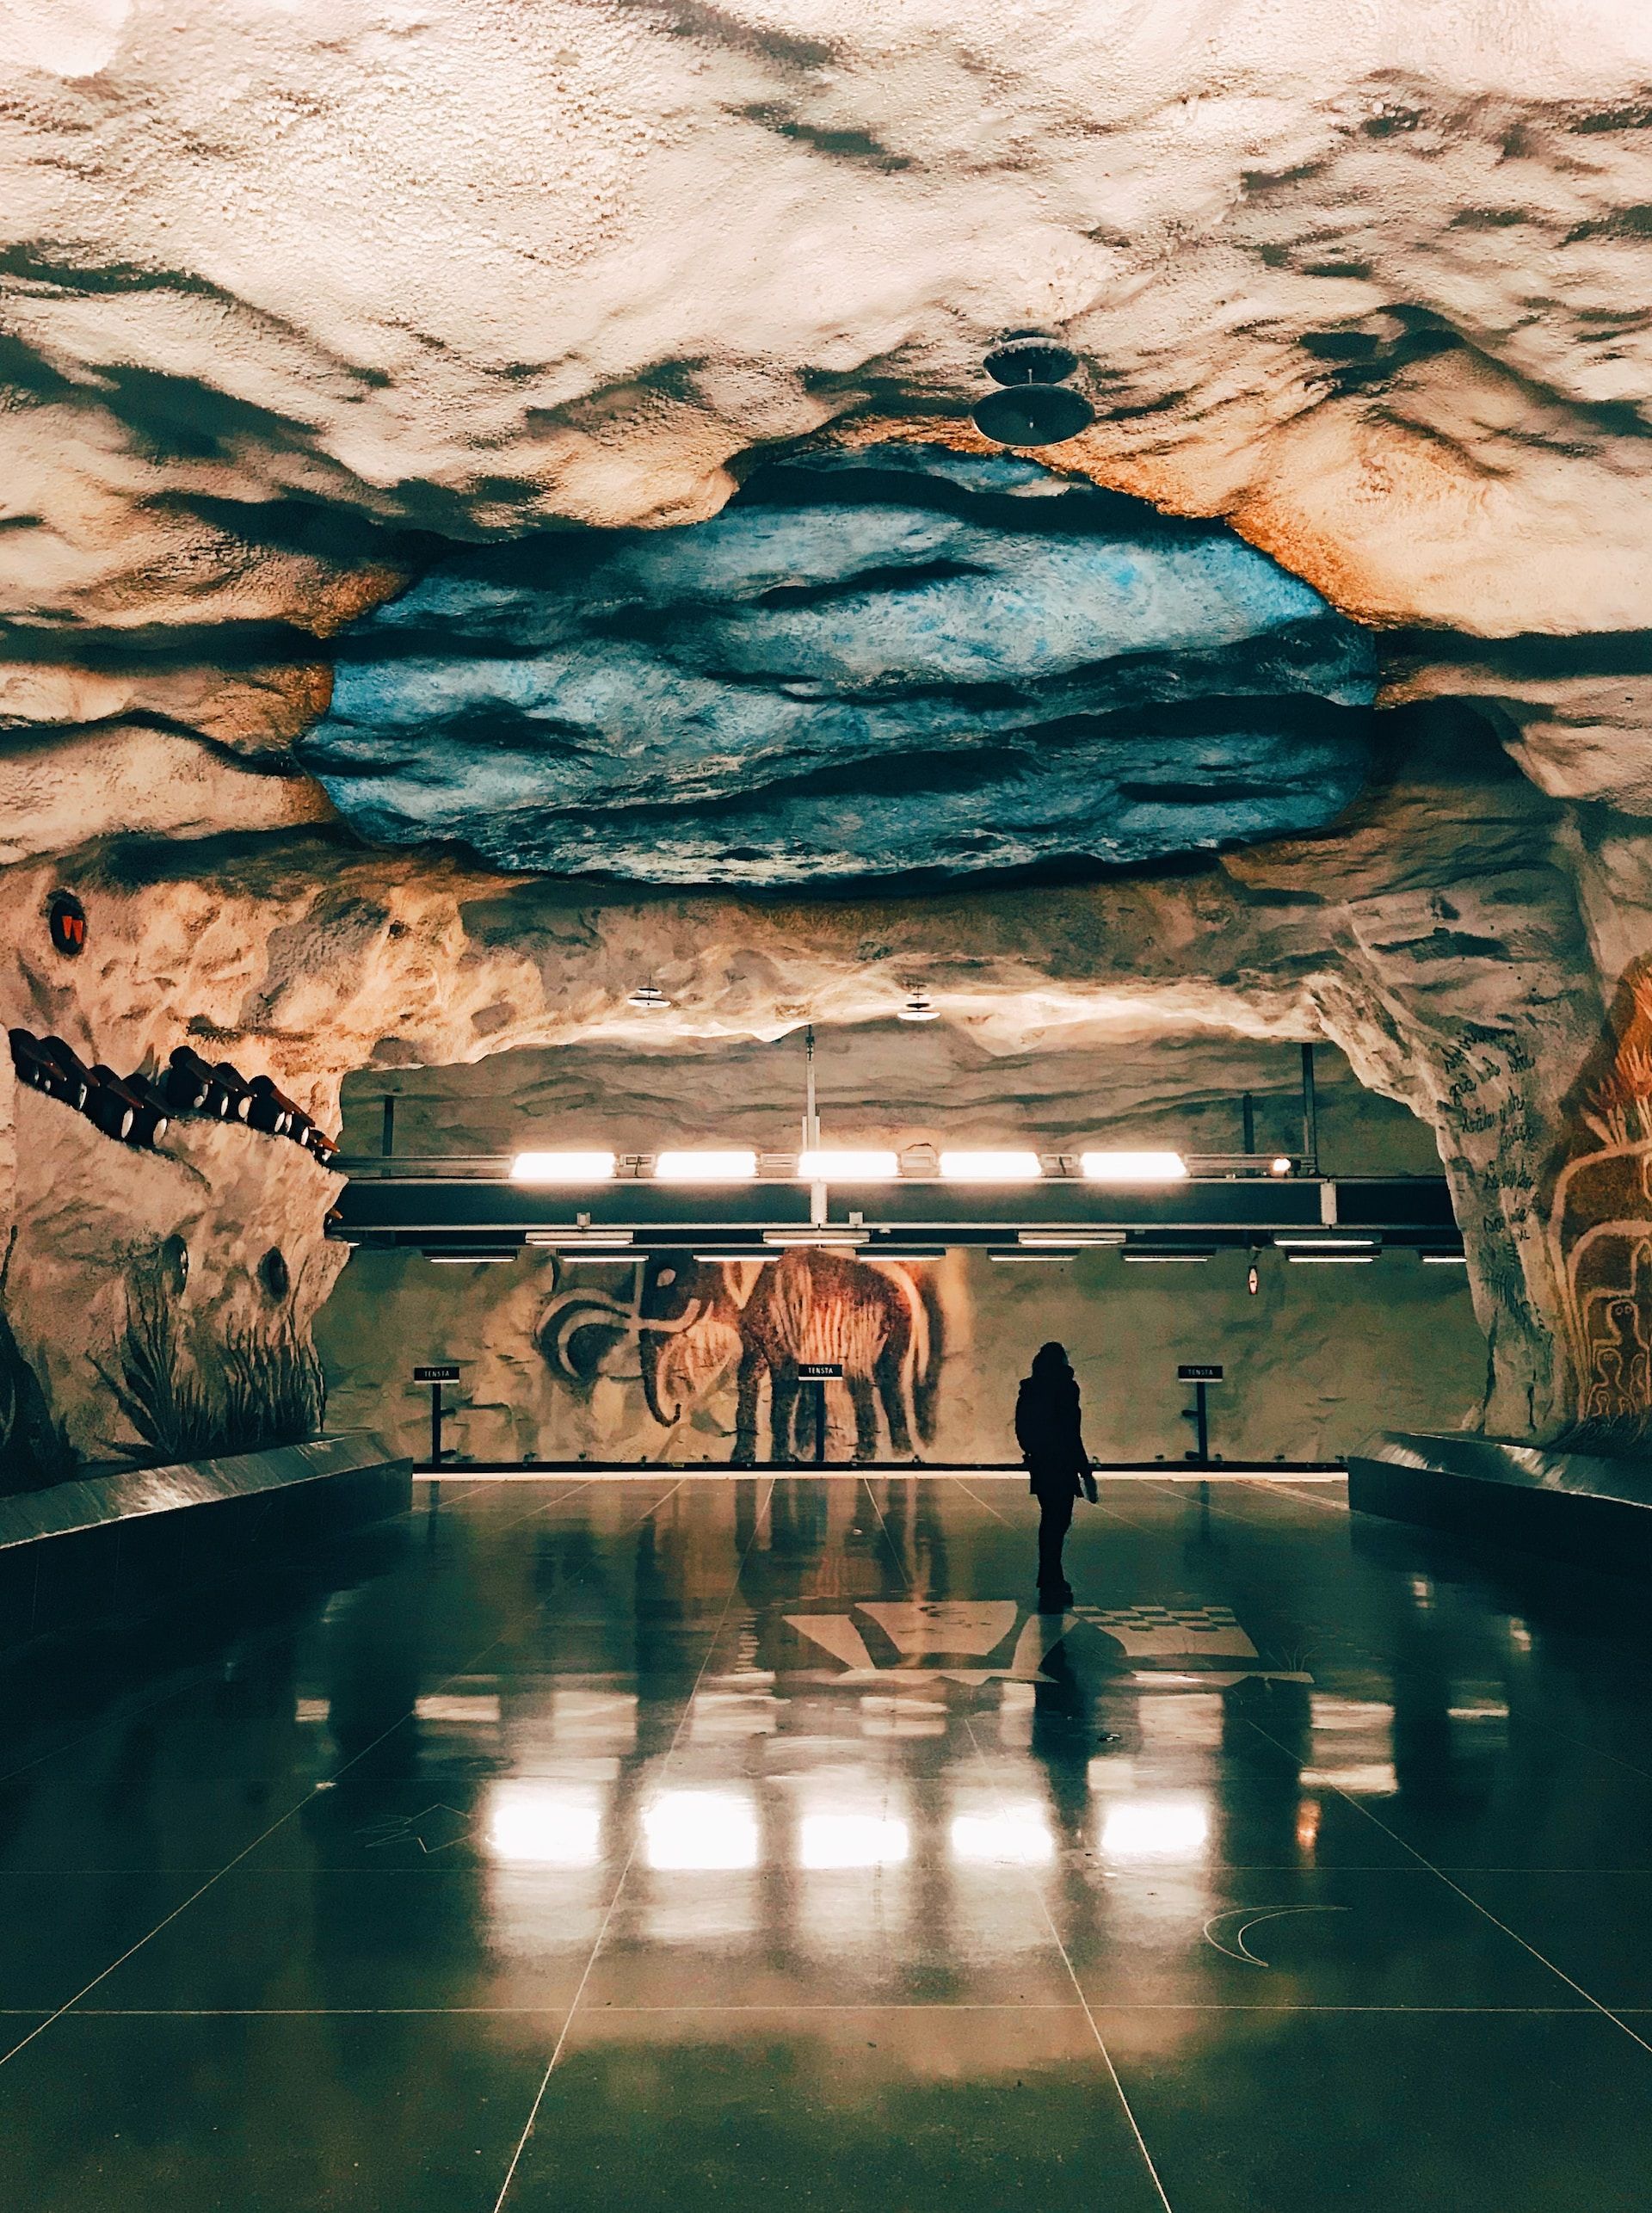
x: 758, y: 1838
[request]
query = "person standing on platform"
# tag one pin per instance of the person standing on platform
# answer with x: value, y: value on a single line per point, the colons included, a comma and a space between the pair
x: 1048, y: 1424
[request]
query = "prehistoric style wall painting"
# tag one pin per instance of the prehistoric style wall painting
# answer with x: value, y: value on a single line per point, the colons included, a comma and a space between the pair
x: 689, y: 1332
x: 1601, y: 1220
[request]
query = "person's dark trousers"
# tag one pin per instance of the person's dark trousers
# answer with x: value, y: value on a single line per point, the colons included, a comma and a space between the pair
x: 1055, y: 1519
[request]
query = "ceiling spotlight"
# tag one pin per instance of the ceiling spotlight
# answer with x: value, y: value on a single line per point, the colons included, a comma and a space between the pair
x: 827, y: 1164
x: 990, y: 1168
x: 920, y: 1007
x: 1279, y: 1165
x: 648, y: 999
x: 562, y: 1167
x: 735, y: 1165
x: 1252, y: 1279
x: 1132, y: 1168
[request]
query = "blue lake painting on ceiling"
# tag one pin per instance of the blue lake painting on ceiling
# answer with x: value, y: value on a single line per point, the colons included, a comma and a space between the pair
x: 895, y: 663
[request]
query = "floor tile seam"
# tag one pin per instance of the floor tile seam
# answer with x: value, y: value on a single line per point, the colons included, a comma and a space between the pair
x: 256, y: 1639
x: 1470, y: 1899
x: 614, y: 1900
x: 1095, y: 2026
x: 453, y: 1675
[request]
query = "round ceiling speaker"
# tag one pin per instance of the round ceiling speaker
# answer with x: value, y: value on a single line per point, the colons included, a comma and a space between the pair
x: 1029, y: 358
x: 1032, y: 415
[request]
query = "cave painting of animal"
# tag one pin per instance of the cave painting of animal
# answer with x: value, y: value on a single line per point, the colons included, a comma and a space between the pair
x: 881, y: 1322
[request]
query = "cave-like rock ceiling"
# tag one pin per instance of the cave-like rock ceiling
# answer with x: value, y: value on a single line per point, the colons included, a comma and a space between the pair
x: 896, y: 661
x: 491, y: 510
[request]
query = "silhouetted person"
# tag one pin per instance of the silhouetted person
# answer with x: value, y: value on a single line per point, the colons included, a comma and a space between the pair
x: 1048, y: 1429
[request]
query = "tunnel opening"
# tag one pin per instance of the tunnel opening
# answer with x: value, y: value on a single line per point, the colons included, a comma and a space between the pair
x: 1309, y: 1254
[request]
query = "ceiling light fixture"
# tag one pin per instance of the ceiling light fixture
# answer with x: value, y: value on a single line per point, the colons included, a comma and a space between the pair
x: 581, y: 1240
x: 562, y: 1167
x: 1330, y: 1259
x: 919, y: 1008
x: 744, y: 1253
x: 1445, y: 1260
x: 1070, y: 1239
x: 818, y: 1236
x: 1029, y: 1253
x: 1279, y: 1165
x: 648, y: 999
x: 1288, y: 1240
x: 836, y: 1164
x: 1132, y: 1168
x: 735, y: 1164
x: 1143, y: 1254
x: 990, y: 1168
x: 484, y: 1258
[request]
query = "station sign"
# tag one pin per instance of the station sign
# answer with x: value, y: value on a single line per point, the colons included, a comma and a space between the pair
x: 1199, y: 1371
x: 445, y: 1371
x: 820, y: 1370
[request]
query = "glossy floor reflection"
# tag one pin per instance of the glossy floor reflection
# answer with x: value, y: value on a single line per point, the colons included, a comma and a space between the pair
x: 660, y: 1844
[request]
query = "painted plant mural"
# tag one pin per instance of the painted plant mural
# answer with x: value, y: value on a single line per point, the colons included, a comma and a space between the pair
x: 690, y: 1333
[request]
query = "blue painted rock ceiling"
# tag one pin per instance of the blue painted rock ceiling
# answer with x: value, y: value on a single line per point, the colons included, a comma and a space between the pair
x: 902, y: 663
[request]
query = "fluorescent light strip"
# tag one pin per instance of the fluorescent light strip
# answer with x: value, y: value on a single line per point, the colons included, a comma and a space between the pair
x: 581, y: 1240
x: 749, y: 1253
x: 1025, y: 1252
x: 1132, y: 1168
x: 1070, y: 1241
x: 469, y: 1260
x: 1323, y: 1244
x: 828, y: 1164
x: 818, y: 1237
x: 1445, y: 1260
x: 990, y: 1168
x: 562, y: 1167
x: 1139, y: 1258
x: 597, y: 1257
x: 734, y: 1165
x: 1330, y: 1259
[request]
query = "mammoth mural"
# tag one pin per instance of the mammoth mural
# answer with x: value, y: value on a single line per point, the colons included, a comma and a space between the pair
x: 699, y: 1326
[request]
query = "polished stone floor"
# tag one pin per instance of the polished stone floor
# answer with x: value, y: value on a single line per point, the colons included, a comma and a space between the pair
x: 653, y: 1844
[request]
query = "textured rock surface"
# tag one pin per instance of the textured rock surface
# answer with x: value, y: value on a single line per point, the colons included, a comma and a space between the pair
x: 899, y: 662
x: 297, y: 303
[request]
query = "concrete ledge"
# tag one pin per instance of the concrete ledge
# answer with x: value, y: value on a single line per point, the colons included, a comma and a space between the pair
x: 1567, y: 1505
x: 106, y: 1547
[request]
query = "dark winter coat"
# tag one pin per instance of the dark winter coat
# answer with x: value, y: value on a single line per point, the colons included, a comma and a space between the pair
x: 1048, y: 1428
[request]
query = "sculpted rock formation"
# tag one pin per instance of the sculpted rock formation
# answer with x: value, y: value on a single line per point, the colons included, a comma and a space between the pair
x: 897, y: 662
x: 304, y: 308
